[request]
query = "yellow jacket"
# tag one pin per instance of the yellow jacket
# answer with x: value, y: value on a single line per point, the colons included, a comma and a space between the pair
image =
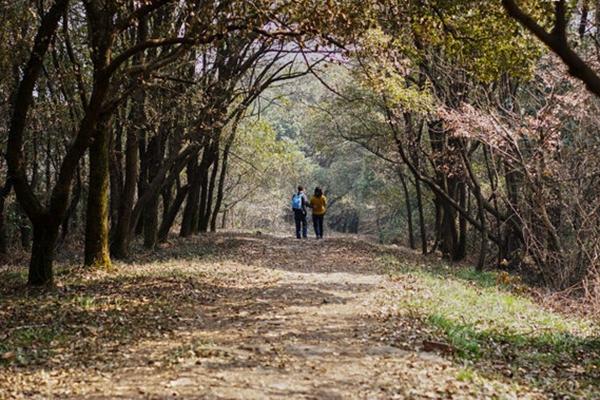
x: 318, y: 205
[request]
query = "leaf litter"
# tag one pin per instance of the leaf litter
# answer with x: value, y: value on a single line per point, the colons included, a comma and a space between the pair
x: 240, y: 316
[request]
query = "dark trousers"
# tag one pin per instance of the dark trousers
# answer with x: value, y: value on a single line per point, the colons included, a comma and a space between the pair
x: 318, y: 225
x: 301, y: 224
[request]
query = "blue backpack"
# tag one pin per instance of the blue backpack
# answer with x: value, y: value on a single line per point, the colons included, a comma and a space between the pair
x: 297, y: 201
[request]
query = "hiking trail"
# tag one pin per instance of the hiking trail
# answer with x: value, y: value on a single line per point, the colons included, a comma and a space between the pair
x: 235, y: 316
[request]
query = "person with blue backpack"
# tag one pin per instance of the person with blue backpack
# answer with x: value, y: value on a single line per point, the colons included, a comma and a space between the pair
x: 299, y: 203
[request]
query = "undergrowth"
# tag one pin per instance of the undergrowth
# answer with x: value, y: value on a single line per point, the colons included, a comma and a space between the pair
x: 490, y: 322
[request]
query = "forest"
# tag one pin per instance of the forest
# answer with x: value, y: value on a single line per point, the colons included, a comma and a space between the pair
x: 151, y: 149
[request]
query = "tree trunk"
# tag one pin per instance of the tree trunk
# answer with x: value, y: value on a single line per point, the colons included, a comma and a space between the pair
x: 221, y: 185
x: 24, y: 228
x: 449, y: 235
x: 167, y: 200
x: 207, y: 160
x: 42, y: 253
x: 116, y: 172
x: 169, y: 218
x: 151, y: 223
x: 72, y: 211
x: 411, y: 236
x: 48, y: 166
x: 512, y: 242
x: 224, y: 219
x: 122, y: 238
x: 415, y: 135
x: 140, y: 125
x: 154, y: 155
x: 493, y: 179
x: 421, y: 216
x: 597, y: 23
x: 203, y: 227
x: 143, y: 176
x: 3, y: 234
x: 583, y: 21
x: 484, y: 239
x: 460, y: 250
x: 122, y: 231
x: 98, y: 203
x: 191, y: 206
x: 40, y: 271
x: 480, y: 208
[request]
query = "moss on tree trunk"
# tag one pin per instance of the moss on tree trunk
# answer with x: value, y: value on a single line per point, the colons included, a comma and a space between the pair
x: 98, y: 205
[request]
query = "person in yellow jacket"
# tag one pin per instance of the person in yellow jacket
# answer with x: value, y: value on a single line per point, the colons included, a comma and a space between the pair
x: 318, y: 204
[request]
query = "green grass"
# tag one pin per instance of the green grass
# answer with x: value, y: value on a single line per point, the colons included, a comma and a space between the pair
x: 463, y: 338
x: 85, y: 302
x: 465, y: 375
x: 478, y: 300
x: 30, y: 336
x: 14, y: 278
x: 30, y: 344
x: 488, y: 321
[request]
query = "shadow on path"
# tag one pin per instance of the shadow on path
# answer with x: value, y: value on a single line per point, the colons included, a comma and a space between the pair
x: 230, y: 316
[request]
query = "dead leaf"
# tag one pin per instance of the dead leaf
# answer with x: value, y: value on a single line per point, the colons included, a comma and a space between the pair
x: 429, y: 346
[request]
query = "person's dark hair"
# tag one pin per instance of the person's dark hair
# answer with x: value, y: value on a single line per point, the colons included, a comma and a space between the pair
x: 300, y: 188
x: 318, y: 192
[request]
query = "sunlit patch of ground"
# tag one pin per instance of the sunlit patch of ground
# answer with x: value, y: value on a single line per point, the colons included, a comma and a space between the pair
x: 257, y: 316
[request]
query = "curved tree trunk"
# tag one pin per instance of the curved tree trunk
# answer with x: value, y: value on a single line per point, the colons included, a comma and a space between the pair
x: 46, y: 229
x: 221, y: 185
x: 169, y: 218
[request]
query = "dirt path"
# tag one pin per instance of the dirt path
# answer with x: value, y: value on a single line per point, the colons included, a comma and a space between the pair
x: 317, y: 341
x: 262, y: 318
